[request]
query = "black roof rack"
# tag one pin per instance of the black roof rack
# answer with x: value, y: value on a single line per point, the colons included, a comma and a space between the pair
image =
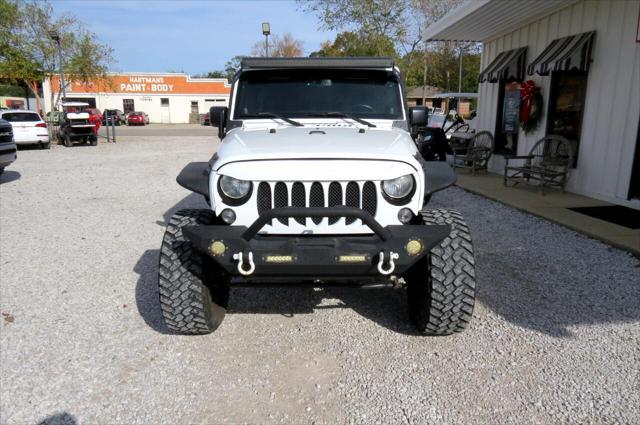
x: 317, y: 62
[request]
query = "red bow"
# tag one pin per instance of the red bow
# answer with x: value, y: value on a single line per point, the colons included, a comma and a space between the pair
x: 527, y: 90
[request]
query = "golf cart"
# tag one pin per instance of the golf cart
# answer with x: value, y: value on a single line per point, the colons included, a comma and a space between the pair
x: 76, y: 125
x: 433, y: 139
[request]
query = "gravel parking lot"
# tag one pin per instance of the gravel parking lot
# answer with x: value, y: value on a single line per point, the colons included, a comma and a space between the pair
x: 555, y: 337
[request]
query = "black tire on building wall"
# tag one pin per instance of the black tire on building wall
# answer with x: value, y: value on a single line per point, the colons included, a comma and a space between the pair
x: 194, y: 292
x: 441, y: 289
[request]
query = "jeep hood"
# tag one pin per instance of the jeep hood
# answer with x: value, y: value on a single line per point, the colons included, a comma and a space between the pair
x: 311, y: 142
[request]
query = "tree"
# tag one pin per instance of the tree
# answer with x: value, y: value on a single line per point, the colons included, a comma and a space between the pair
x: 229, y: 71
x: 374, y: 22
x: 394, y: 28
x: 443, y: 58
x: 368, y: 17
x: 212, y: 74
x: 353, y: 44
x: 279, y: 47
x: 28, y: 54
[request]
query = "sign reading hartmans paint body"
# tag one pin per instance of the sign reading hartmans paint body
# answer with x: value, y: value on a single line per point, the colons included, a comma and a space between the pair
x: 165, y: 97
x: 148, y: 84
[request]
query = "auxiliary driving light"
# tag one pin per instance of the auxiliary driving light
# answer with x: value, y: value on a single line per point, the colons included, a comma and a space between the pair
x: 278, y: 258
x: 228, y: 216
x: 405, y: 215
x: 352, y: 258
x: 217, y: 248
x: 414, y: 247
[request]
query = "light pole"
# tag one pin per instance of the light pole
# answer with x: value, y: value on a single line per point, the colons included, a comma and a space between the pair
x: 459, y: 81
x: 266, y: 30
x: 56, y: 37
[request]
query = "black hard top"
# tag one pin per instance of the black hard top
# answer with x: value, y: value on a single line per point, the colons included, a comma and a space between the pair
x: 317, y: 62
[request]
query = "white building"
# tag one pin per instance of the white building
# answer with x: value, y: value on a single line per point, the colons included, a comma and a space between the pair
x: 166, y: 98
x: 584, y: 55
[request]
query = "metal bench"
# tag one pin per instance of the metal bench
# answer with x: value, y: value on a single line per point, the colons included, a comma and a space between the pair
x: 474, y: 156
x: 547, y: 165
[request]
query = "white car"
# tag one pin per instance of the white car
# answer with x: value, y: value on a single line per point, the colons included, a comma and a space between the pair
x: 317, y: 179
x: 28, y: 127
x: 8, y: 149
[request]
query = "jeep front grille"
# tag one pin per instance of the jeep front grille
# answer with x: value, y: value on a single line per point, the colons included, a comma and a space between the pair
x: 353, y: 194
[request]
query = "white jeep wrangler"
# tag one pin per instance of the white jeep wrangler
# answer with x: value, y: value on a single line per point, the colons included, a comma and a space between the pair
x: 317, y: 180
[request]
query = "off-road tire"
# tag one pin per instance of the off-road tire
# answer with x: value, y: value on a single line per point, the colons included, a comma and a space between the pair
x: 67, y: 141
x: 441, y: 288
x: 193, y: 292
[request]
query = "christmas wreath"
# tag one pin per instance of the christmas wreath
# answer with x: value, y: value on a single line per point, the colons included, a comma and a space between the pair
x: 530, y: 106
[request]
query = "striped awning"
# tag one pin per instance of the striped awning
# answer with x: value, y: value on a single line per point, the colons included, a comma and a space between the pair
x: 564, y: 54
x: 509, y: 66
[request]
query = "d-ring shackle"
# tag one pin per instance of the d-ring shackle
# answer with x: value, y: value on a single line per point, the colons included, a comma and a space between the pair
x: 392, y: 265
x: 252, y: 266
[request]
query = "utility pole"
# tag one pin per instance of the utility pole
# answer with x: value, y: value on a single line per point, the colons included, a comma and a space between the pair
x: 56, y: 37
x: 459, y: 80
x: 266, y: 30
x: 460, y: 72
x: 424, y: 81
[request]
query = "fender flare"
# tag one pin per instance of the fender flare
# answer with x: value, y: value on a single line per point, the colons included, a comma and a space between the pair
x: 438, y: 175
x: 195, y: 177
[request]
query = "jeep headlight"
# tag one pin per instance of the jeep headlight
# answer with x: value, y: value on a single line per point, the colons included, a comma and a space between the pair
x: 234, y: 188
x: 399, y: 188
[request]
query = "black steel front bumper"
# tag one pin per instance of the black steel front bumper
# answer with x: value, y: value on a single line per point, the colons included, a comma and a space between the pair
x: 315, y: 256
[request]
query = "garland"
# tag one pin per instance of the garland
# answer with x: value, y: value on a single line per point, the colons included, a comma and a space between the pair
x: 530, y: 106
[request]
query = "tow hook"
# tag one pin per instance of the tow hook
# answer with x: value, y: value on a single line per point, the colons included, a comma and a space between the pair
x: 252, y: 266
x: 392, y: 265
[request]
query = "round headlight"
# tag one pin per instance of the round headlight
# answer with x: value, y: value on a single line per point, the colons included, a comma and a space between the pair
x: 398, y: 188
x: 234, y: 188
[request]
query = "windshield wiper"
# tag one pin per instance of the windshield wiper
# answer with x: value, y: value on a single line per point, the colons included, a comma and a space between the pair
x: 343, y: 115
x: 273, y: 115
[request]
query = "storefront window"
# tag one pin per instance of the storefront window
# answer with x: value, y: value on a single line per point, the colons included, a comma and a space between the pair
x: 507, y: 118
x: 566, y: 105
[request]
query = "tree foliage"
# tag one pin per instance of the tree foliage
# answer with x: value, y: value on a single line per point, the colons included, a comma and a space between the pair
x: 376, y: 24
x: 279, y: 47
x: 368, y: 17
x: 394, y: 28
x: 230, y: 69
x: 353, y: 44
x: 28, y: 54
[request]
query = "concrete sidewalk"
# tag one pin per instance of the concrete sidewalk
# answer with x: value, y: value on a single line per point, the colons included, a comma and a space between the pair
x: 553, y: 206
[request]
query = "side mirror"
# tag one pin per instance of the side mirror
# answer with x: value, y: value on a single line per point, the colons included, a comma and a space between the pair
x: 418, y: 116
x: 218, y: 118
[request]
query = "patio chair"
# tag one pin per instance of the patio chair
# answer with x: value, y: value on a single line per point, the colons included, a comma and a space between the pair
x: 547, y: 165
x: 474, y: 156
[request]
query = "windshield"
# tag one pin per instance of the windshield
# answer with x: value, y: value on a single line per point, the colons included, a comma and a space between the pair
x: 309, y: 93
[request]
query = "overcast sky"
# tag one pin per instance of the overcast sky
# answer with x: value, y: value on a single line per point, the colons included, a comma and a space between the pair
x: 194, y: 36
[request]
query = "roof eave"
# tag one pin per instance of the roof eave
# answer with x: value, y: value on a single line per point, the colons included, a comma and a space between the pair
x: 456, y: 15
x: 483, y: 20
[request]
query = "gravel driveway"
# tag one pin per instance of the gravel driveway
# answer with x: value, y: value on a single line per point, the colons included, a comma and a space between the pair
x: 555, y: 337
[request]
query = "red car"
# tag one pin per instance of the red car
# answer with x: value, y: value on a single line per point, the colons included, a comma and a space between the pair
x: 137, y: 118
